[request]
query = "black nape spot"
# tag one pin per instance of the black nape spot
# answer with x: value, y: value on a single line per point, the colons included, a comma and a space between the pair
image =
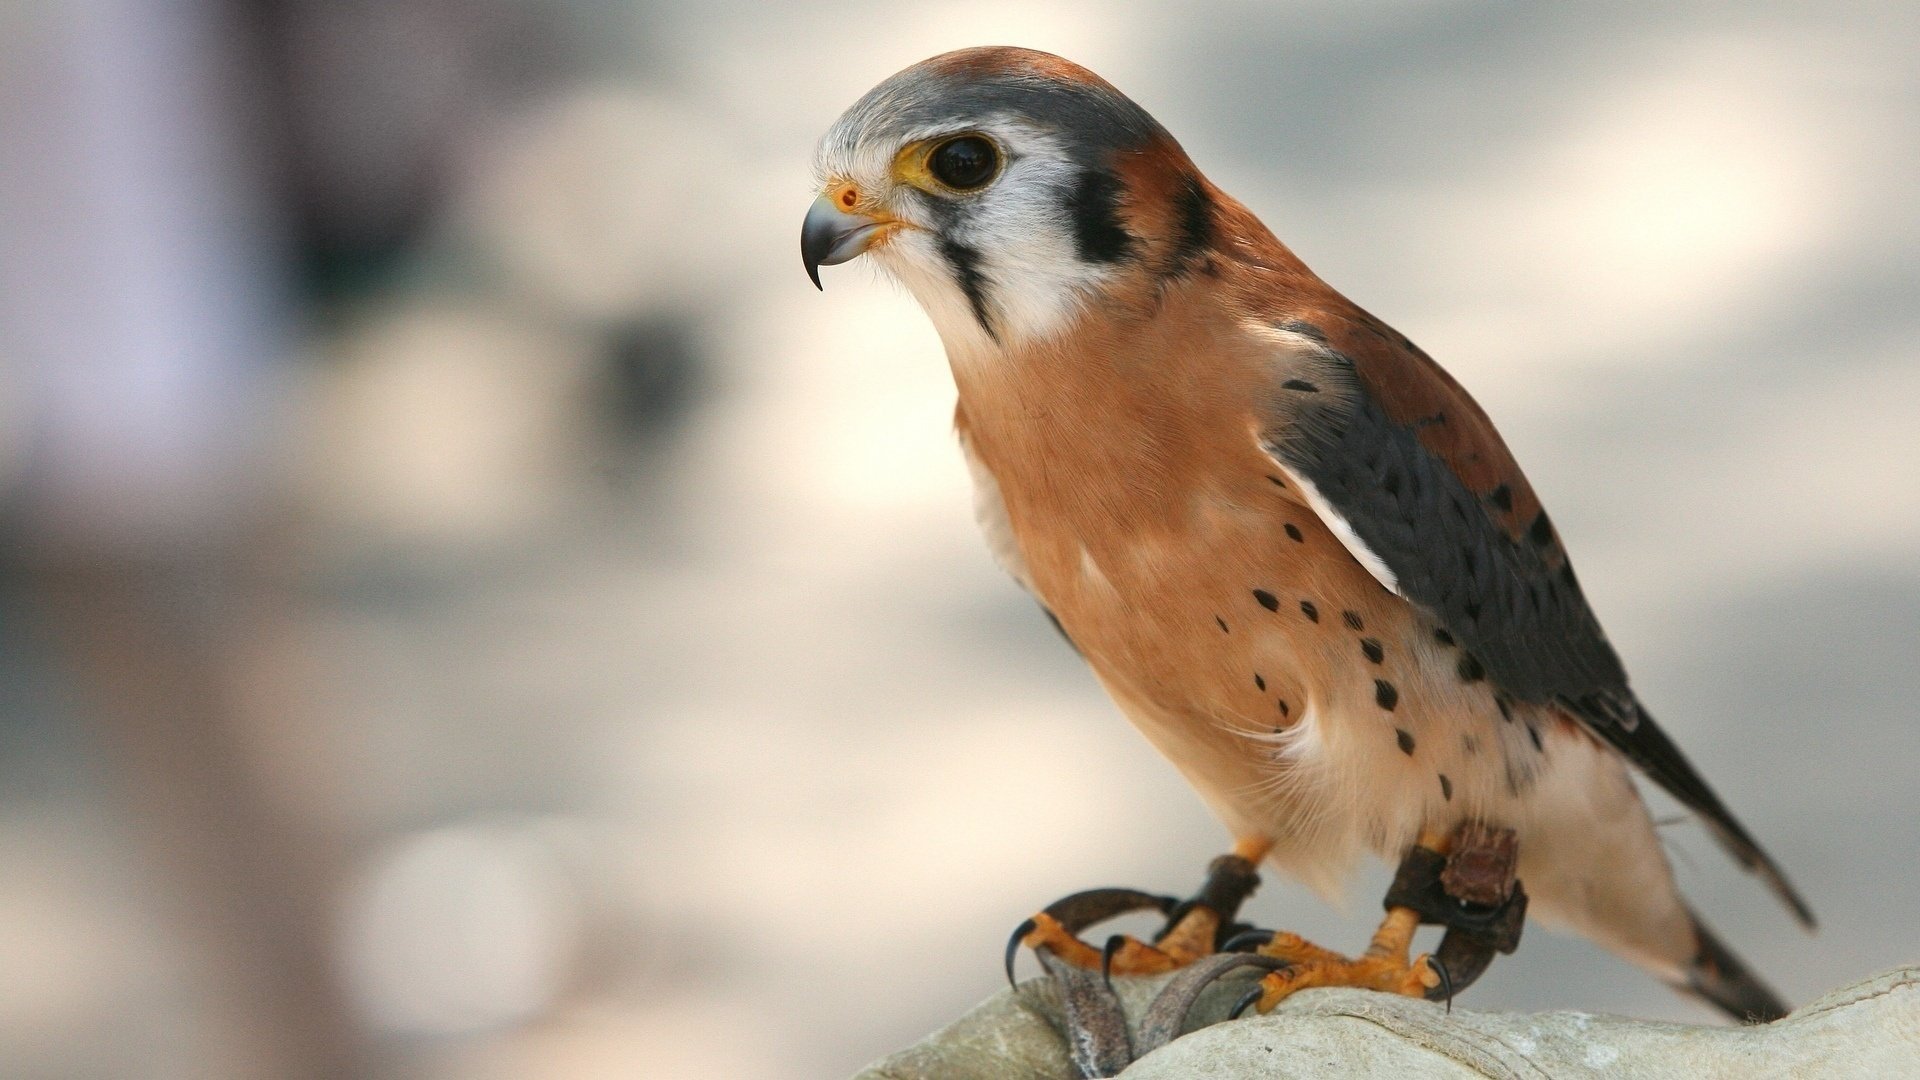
x: 1293, y: 533
x: 1352, y: 620
x: 1541, y: 531
x: 1502, y: 497
x: 1223, y: 624
x: 1440, y: 635
x: 1301, y: 385
x: 1194, y: 210
x: 1385, y: 694
x: 1406, y: 740
x: 1284, y: 711
x: 1534, y: 734
x: 965, y: 262
x: 1371, y: 650
x: 1094, y: 205
x: 1446, y: 788
x: 1259, y: 681
x: 1267, y: 599
x: 1312, y: 613
x: 1277, y: 482
x: 1469, y: 668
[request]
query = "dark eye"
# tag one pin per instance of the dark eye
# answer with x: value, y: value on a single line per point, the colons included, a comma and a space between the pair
x: 964, y: 163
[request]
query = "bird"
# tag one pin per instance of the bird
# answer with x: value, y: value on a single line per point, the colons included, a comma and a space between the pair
x: 1292, y: 548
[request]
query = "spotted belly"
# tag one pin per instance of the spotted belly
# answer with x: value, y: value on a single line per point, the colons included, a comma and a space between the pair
x: 1304, y: 701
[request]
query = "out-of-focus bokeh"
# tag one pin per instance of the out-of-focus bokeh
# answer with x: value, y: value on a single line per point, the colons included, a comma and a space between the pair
x: 470, y: 610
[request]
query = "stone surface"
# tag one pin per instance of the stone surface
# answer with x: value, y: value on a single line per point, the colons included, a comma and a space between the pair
x: 1871, y: 1028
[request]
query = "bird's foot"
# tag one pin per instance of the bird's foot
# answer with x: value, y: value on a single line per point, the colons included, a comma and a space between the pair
x: 1098, y: 1037
x: 1385, y: 966
x: 1471, y: 891
x: 1194, y: 928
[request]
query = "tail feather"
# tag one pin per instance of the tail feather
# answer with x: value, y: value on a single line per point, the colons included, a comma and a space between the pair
x: 1719, y: 976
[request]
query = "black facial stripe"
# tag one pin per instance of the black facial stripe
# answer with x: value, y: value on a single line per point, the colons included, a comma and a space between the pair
x: 965, y: 262
x: 1094, y: 204
x: 1194, y: 210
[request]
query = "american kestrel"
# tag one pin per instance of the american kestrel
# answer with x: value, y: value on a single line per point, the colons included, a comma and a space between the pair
x: 1293, y: 549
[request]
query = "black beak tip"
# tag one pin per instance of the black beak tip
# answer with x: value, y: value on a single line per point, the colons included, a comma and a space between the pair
x: 813, y: 273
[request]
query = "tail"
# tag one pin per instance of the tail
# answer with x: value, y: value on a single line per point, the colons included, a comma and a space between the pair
x: 1719, y: 976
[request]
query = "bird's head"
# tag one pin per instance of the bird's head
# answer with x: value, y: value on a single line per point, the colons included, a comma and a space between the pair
x: 1005, y: 188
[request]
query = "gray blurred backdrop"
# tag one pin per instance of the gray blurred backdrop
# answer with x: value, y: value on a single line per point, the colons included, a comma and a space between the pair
x: 469, y: 609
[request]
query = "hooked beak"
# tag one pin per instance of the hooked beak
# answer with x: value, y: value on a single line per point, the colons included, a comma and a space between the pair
x: 832, y: 236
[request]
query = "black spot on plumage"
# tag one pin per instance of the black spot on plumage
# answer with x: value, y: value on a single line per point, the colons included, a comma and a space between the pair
x: 1502, y: 497
x: 1534, y: 734
x: 1293, y: 533
x: 1277, y: 482
x: 1385, y: 695
x: 1352, y: 619
x: 1223, y: 624
x: 965, y: 262
x: 1371, y: 649
x: 1541, y: 531
x: 1259, y: 681
x: 1406, y: 740
x: 1506, y: 710
x: 1469, y: 668
x: 1440, y: 635
x: 1284, y: 711
x: 1193, y: 209
x: 1301, y: 385
x: 1094, y: 204
x: 1267, y: 599
x: 1446, y: 788
x: 1312, y: 613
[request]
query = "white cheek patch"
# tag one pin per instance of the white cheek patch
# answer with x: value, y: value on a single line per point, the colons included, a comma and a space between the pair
x: 1021, y: 228
x: 1342, y: 530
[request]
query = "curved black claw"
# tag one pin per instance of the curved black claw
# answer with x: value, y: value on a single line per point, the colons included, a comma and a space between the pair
x: 1013, y: 948
x: 1166, y: 1017
x: 1114, y: 944
x: 1083, y: 909
x: 1246, y: 1001
x: 1446, y: 982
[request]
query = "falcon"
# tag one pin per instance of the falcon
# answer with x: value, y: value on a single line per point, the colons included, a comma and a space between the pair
x: 1292, y: 548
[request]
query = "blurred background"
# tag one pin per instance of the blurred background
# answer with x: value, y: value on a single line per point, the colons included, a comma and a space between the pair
x: 469, y: 609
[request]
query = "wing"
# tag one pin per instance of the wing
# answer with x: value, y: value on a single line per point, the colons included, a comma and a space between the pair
x: 1405, y: 468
